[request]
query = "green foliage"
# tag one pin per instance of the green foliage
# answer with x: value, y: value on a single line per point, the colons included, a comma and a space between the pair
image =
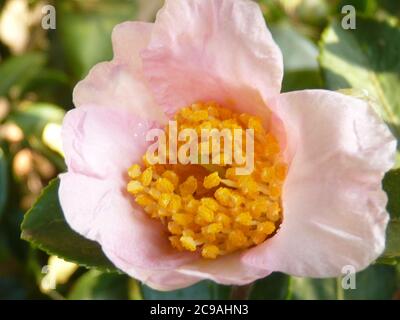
x: 37, y: 85
x: 85, y: 31
x: 274, y: 287
x: 44, y: 225
x: 391, y: 184
x: 204, y: 290
x: 17, y: 71
x: 376, y: 282
x: 96, y: 285
x: 366, y: 58
x: 3, y: 182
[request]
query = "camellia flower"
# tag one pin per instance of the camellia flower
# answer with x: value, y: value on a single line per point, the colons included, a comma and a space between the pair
x: 313, y: 204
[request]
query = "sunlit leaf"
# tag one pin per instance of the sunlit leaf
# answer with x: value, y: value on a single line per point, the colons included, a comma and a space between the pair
x: 97, y: 285
x: 365, y: 58
x: 299, y: 58
x: 33, y: 120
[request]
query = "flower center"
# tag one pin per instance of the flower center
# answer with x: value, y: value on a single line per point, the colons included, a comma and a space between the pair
x: 211, y: 208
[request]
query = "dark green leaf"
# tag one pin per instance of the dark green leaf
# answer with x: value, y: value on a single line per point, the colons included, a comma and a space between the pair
x: 273, y: 287
x: 376, y: 282
x: 365, y: 58
x: 12, y: 289
x: 97, y: 285
x: 3, y: 182
x: 300, y: 80
x: 391, y: 185
x: 204, y: 290
x: 18, y: 70
x: 45, y: 226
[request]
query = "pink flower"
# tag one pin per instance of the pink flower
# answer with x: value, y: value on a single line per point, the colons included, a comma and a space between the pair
x: 221, y: 50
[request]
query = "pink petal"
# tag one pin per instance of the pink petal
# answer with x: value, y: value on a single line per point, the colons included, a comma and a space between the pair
x: 103, y: 142
x: 334, y: 206
x: 229, y: 270
x: 120, y: 83
x: 217, y: 50
x: 100, y: 145
x: 100, y: 210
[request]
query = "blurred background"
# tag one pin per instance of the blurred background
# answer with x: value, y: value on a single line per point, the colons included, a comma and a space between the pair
x: 38, y: 71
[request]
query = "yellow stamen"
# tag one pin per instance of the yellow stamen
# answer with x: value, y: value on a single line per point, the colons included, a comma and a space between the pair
x: 209, y: 208
x: 211, y: 180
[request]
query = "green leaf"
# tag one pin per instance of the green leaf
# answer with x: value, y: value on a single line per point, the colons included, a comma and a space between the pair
x: 391, y: 185
x: 16, y: 71
x: 299, y: 53
x: 44, y: 226
x: 84, y: 29
x: 273, y: 287
x: 313, y: 289
x: 204, y: 290
x: 299, y: 58
x: 3, y: 182
x: 33, y: 118
x: 97, y: 285
x: 365, y: 58
x: 375, y: 282
x: 300, y: 80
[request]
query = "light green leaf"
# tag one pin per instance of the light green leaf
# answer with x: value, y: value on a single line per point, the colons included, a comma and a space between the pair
x: 16, y: 71
x: 299, y: 53
x: 44, y: 226
x: 204, y: 290
x: 366, y: 58
x: 299, y: 58
x: 313, y: 289
x: 84, y: 29
x: 97, y: 285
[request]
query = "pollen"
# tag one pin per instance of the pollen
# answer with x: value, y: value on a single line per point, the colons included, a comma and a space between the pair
x: 211, y: 180
x: 208, y: 208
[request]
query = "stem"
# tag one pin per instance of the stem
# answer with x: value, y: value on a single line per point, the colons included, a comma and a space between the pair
x: 241, y: 292
x: 339, y: 289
